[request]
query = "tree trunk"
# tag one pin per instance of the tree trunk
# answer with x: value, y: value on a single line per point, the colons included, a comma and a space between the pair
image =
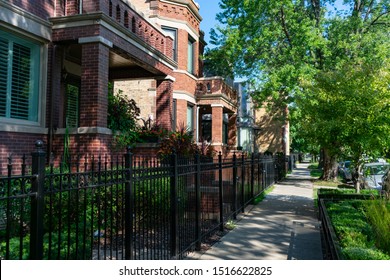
x: 321, y: 159
x: 329, y: 166
x: 386, y: 185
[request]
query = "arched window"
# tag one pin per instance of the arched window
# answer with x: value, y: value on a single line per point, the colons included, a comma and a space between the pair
x: 118, y: 13
x: 110, y: 9
x: 133, y: 25
x: 126, y: 19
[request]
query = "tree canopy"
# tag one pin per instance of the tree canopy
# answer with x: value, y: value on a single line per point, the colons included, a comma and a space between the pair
x: 328, y: 60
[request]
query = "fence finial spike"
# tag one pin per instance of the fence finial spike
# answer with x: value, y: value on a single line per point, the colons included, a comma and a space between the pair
x: 39, y: 144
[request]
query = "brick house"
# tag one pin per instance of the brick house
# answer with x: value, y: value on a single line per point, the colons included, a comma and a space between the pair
x: 58, y: 56
x: 205, y: 105
x: 260, y: 130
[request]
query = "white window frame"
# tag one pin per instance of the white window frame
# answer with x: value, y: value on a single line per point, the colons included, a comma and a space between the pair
x: 172, y: 32
x: 191, y: 55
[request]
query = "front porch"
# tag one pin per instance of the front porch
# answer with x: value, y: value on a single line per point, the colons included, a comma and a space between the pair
x: 93, y: 46
x: 217, y: 114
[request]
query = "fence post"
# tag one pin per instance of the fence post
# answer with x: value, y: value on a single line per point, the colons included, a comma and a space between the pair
x: 243, y: 202
x: 129, y: 205
x: 174, y: 212
x: 259, y: 174
x: 253, y: 178
x: 220, y: 185
x: 234, y: 186
x: 37, y: 201
x: 197, y: 203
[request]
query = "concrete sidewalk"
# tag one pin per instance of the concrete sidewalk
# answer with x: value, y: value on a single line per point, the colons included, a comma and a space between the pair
x: 284, y: 226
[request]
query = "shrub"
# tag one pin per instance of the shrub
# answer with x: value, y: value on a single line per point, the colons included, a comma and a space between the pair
x: 357, y: 236
x: 122, y: 118
x: 180, y: 142
x: 378, y: 214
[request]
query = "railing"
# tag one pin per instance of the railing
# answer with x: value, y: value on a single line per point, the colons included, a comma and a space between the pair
x: 124, y: 14
x: 330, y: 240
x: 216, y: 85
x: 125, y: 207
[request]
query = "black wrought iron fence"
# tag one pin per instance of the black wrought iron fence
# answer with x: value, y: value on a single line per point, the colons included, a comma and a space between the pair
x: 125, y: 207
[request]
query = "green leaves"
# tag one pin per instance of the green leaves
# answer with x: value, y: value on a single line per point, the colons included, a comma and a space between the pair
x: 329, y: 63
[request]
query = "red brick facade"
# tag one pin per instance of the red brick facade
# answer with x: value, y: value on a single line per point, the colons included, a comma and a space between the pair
x: 96, y: 42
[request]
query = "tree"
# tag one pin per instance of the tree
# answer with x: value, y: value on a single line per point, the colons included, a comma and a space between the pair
x: 287, y: 46
x: 348, y: 108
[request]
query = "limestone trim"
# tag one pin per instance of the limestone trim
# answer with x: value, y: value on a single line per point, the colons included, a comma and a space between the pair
x: 96, y: 39
x: 168, y: 78
x: 185, y: 73
x: 21, y: 128
x: 178, y: 24
x: 24, y: 20
x: 184, y: 96
x: 85, y: 130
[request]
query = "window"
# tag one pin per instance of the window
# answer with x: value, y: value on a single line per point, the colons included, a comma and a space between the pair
x: 190, y: 117
x: 173, y: 33
x: 190, y: 55
x: 206, y: 127
x: 19, y: 76
x: 225, y: 129
x: 72, y: 88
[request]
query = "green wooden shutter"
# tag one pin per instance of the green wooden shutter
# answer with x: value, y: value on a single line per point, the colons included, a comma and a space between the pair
x: 72, y: 106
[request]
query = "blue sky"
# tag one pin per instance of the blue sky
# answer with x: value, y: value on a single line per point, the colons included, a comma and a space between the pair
x: 210, y: 8
x: 208, y: 11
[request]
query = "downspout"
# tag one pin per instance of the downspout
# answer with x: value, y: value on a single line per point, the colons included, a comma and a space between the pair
x: 197, y: 123
x: 80, y: 7
x: 50, y: 132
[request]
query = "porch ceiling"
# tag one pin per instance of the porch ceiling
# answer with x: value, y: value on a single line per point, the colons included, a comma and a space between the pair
x: 120, y: 65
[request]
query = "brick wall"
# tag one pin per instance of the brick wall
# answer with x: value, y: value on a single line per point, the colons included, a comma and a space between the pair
x: 16, y: 145
x: 271, y: 136
x: 164, y: 98
x: 185, y: 83
x: 216, y: 124
x: 41, y: 8
x: 143, y: 92
x: 180, y: 13
x: 181, y: 113
x: 94, y: 85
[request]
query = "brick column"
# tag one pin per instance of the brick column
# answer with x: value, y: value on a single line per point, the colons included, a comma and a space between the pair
x: 164, y: 99
x: 216, y: 123
x: 94, y: 85
x: 232, y: 134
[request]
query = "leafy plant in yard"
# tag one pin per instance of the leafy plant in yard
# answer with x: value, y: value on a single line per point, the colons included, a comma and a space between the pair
x: 181, y: 142
x: 357, y: 236
x: 378, y: 214
x: 122, y: 118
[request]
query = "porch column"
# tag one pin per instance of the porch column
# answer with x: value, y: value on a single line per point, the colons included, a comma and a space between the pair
x: 94, y: 85
x: 216, y: 124
x: 232, y: 127
x: 164, y: 99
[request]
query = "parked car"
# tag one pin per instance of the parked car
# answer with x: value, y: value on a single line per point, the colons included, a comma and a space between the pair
x: 372, y: 175
x: 345, y: 171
